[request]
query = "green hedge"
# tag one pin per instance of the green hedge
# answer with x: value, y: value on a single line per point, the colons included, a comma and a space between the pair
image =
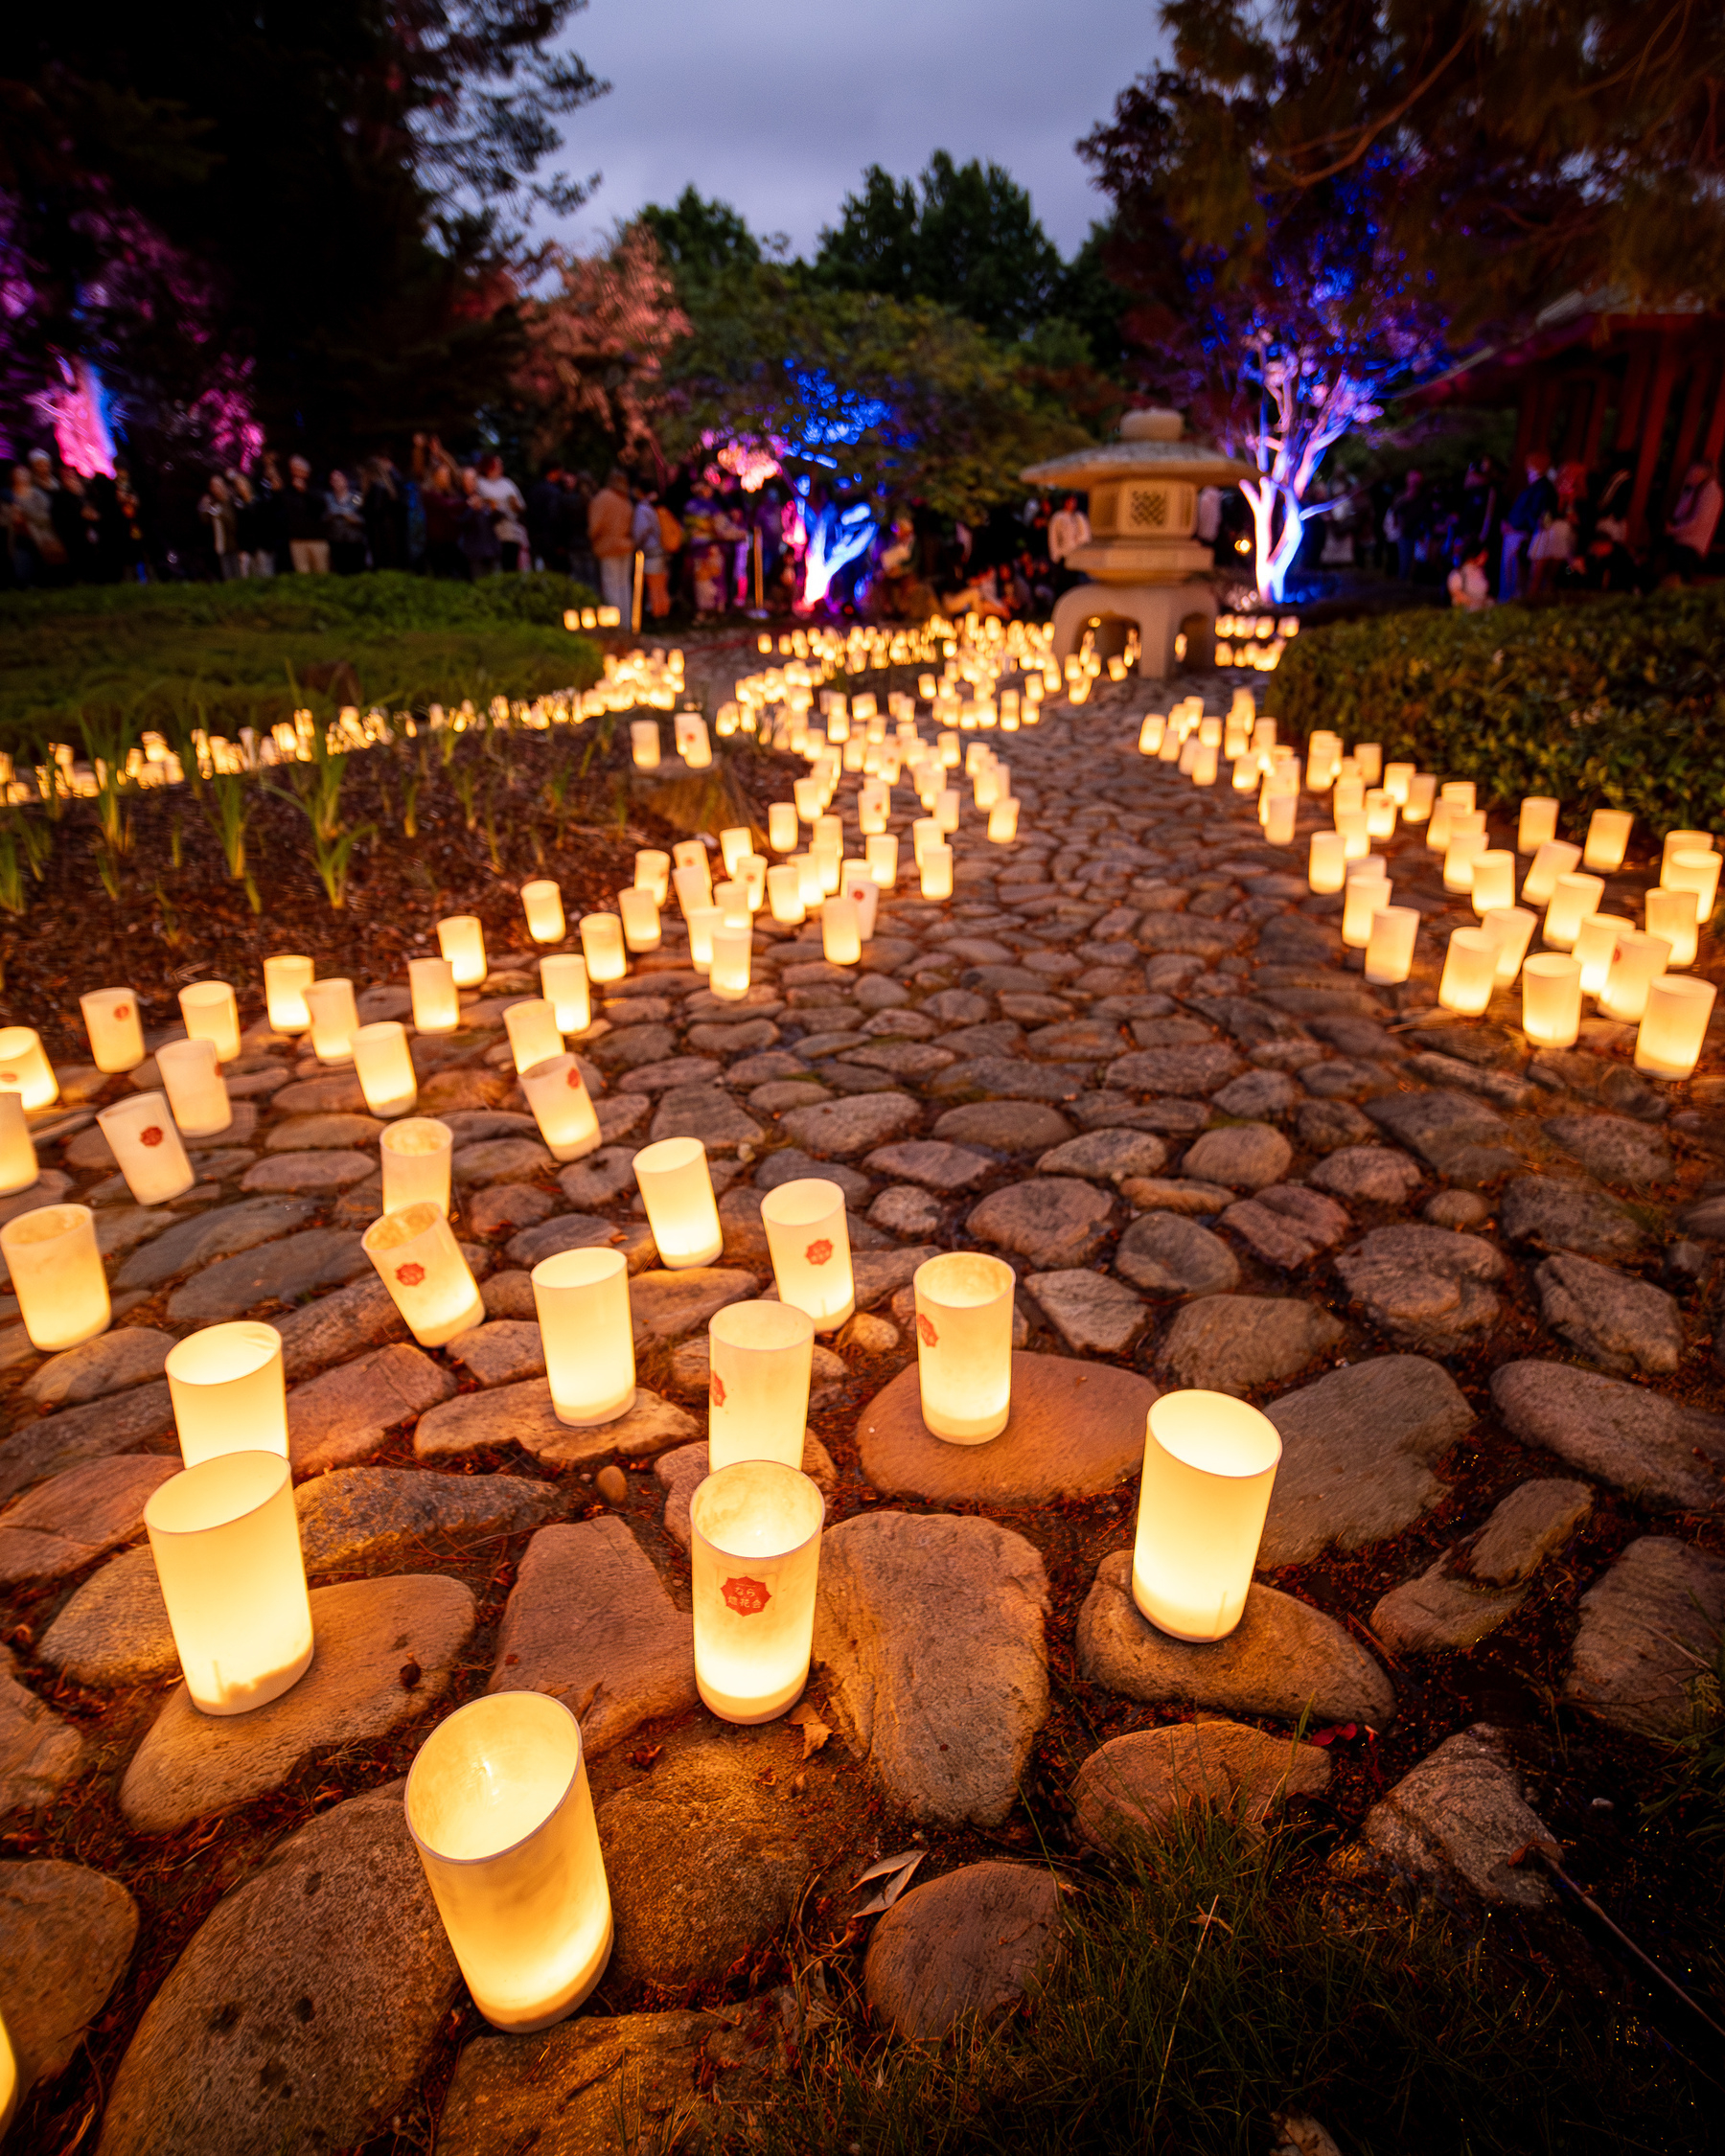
x: 1620, y: 702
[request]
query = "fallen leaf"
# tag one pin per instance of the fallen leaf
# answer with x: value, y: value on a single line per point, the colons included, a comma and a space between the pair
x: 900, y: 1867
x: 814, y: 1732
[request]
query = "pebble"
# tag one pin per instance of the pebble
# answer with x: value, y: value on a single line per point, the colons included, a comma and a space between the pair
x: 1241, y: 1157
x: 1051, y: 1220
x: 39, y: 1752
x: 906, y: 1212
x: 1259, y: 1093
x: 1005, y: 1126
x: 666, y: 1305
x: 130, y: 1355
x: 1377, y: 1174
x: 1107, y: 1156
x: 1327, y: 1126
x: 1459, y: 1819
x: 1621, y: 1323
x: 1135, y: 1787
x: 845, y: 1128
x: 67, y: 1934
x: 1646, y: 1629
x: 279, y: 1271
x: 1233, y: 1343
x: 1287, y: 1226
x: 963, y: 1950
x: 928, y: 1630
x: 1568, y: 1216
x: 1164, y: 1254
x: 1093, y: 1314
x: 212, y: 1235
x: 1175, y: 1195
x: 1426, y: 1285
x: 504, y: 1351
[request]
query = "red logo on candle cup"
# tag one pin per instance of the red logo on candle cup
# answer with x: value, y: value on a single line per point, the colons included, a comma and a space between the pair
x: 150, y: 1136
x: 121, y: 1012
x: 749, y: 1597
x: 716, y: 1391
x: 817, y: 1254
x: 9, y: 1077
x: 574, y: 1080
x: 926, y: 1327
x: 410, y: 1276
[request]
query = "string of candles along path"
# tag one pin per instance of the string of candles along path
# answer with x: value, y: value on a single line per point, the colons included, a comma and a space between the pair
x: 1634, y: 975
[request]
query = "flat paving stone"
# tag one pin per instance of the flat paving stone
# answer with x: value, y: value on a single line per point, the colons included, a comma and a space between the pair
x: 39, y: 1752
x: 1257, y: 1095
x: 706, y: 1112
x: 1619, y: 1322
x: 1051, y: 1220
x: 665, y: 1305
x: 679, y: 1474
x: 1235, y: 1343
x: 1136, y: 1787
x: 1454, y: 1133
x: 1615, y: 1148
x: 964, y: 1950
x: 1107, y: 1156
x: 342, y: 1417
x: 297, y: 1133
x: 1426, y: 1285
x: 67, y: 1522
x: 502, y: 1352
x: 1004, y: 1126
x: 1241, y: 1157
x: 523, y: 1414
x: 1202, y: 1068
x: 219, y: 1234
x: 368, y: 1633
x: 1282, y: 1660
x: 1005, y: 1078
x: 583, y: 1231
x: 510, y: 1160
x: 336, y: 1327
x: 928, y: 1631
x: 66, y: 1933
x: 305, y: 2008
x: 1647, y: 1628
x: 1167, y: 1255
x: 1357, y: 1454
x: 1480, y: 1583
x: 128, y: 1355
x: 1074, y: 1429
x: 1376, y: 1174
x: 846, y: 1127
x: 365, y: 1518
x: 590, y: 1622
x: 601, y: 1178
x: 933, y: 1163
x: 56, y: 1442
x: 1459, y: 1819
x: 1327, y: 1126
x: 1093, y: 1314
x: 1287, y: 1226
x: 278, y: 1272
x: 1568, y: 1216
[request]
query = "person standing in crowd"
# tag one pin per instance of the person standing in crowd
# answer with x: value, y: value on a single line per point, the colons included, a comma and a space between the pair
x: 650, y: 543
x: 344, y: 526
x: 1689, y: 533
x: 508, y: 510
x: 441, y: 501
x: 220, y: 523
x: 480, y: 545
x: 1536, y: 502
x: 30, y: 530
x: 572, y: 521
x: 1068, y: 529
x: 302, y: 520
x: 547, y: 537
x: 1470, y: 581
x: 271, y: 502
x: 255, y: 560
x: 611, y: 529
x: 384, y: 511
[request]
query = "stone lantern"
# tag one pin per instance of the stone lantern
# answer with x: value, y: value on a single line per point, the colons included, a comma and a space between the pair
x: 1146, y: 568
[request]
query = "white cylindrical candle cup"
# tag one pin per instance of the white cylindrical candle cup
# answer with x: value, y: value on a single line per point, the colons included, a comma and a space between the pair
x: 384, y: 1063
x: 639, y: 913
x: 781, y: 827
x: 1513, y: 927
x: 809, y: 1242
x: 1365, y: 897
x: 1639, y: 961
x: 732, y: 953
x: 1469, y: 970
x: 582, y: 1301
x: 562, y: 1106
x: 1672, y: 915
x: 56, y: 1276
x: 211, y: 1014
x: 1348, y: 797
x: 1682, y: 842
x: 1596, y: 947
x: 1437, y: 830
x: 1695, y: 871
x: 937, y: 872
x: 1002, y: 822
x: 653, y: 873
x: 228, y: 1391
x: 754, y: 1560
x: 1389, y: 948
x: 734, y: 841
x: 416, y: 1152
x: 761, y: 1359
x: 335, y: 1020
x: 702, y: 921
x: 286, y: 976
x: 1210, y: 1466
x: 1369, y: 755
x: 1204, y: 763
x: 533, y: 1033
x: 784, y: 892
x: 602, y: 947
x: 1397, y: 779
x: 691, y: 853
x: 964, y: 1345
x: 808, y: 801
x: 1327, y: 864
x: 1573, y: 899
x: 564, y: 984
x: 500, y: 1811
x: 1554, y: 859
x: 677, y: 1188
x: 1493, y: 884
x: 644, y: 744
x: 947, y: 804
x: 110, y: 1016
x: 1460, y: 794
x: 144, y: 1141
x: 197, y: 1095
x: 436, y: 1001
x: 809, y: 879
x: 19, y: 1166
x: 1607, y: 841
x: 226, y: 1539
x: 420, y: 1262
x: 732, y: 898
x: 1381, y: 812
x: 1551, y: 999
x: 1674, y: 1026
x: 1280, y: 814
x: 829, y: 831
x: 1458, y: 858
x: 1417, y: 807
x: 829, y: 864
x: 461, y: 939
x: 856, y: 885
x: 751, y: 873
x: 840, y: 938
x: 1537, y: 825
x: 1356, y: 838
x: 542, y: 900
x: 882, y: 852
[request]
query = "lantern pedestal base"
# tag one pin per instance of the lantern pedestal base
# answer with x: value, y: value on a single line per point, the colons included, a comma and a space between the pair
x: 1074, y: 1429
x: 1159, y: 612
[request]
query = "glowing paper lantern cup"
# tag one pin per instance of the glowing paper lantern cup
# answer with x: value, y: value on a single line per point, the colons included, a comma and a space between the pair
x: 1573, y: 899
x: 841, y: 934
x: 198, y: 1093
x: 110, y: 1016
x: 1513, y: 926
x: 141, y: 1135
x: 762, y: 1355
x: 754, y: 1557
x: 564, y: 984
x: 335, y: 1020
x: 781, y: 827
x: 1607, y: 840
x: 1389, y: 949
x: 1469, y: 972
x: 436, y: 1002
x: 1692, y: 870
x: 25, y: 1068
x: 562, y: 1106
x: 809, y: 1241
x: 1672, y: 915
x: 1674, y: 1028
x: 1551, y: 999
x: 937, y: 872
x: 417, y: 1153
x: 1210, y: 1466
x: 602, y: 947
x: 1638, y: 963
x: 644, y: 744
x: 729, y: 975
x: 542, y: 900
x: 226, y: 1539
x: 1327, y: 864
x: 286, y: 980
x: 420, y: 1262
x: 228, y: 1391
x: 1493, y: 882
x: 19, y: 1167
x: 784, y: 890
x: 1555, y: 859
x: 384, y: 1063
x: 499, y: 1808
x: 964, y: 1345
x: 56, y: 1276
x: 582, y: 1301
x: 681, y: 1210
x: 1537, y: 824
x: 641, y: 916
x: 533, y: 1032
x: 653, y: 873
x: 1596, y: 947
x: 211, y: 1014
x: 1366, y: 897
x: 461, y: 939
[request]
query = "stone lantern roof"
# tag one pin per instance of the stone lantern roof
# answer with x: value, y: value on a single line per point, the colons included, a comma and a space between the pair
x: 1143, y: 498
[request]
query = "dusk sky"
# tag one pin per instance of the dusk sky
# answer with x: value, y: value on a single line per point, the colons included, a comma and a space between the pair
x: 777, y: 106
